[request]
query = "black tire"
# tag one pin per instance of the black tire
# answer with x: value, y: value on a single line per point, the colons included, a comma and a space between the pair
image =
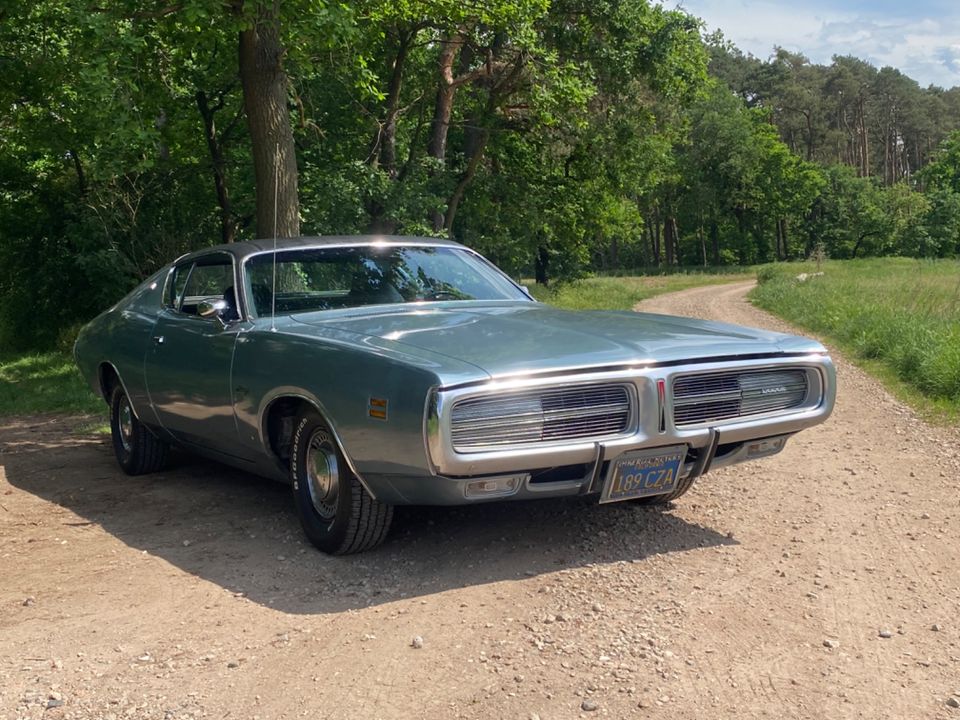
x: 681, y: 489
x: 138, y: 450
x: 337, y: 514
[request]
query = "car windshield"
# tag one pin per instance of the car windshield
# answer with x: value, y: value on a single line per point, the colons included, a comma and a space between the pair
x: 340, y: 277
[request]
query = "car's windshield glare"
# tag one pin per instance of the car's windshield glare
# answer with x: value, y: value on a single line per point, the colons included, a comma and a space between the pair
x: 341, y: 277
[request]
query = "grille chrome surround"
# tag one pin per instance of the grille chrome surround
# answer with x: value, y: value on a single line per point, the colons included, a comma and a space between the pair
x: 540, y: 415
x: 720, y: 396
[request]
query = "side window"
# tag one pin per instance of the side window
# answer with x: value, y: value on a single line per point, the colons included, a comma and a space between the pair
x: 173, y: 290
x: 208, y: 280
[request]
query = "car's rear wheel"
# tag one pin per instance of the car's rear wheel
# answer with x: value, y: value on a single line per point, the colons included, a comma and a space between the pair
x: 337, y: 514
x: 138, y: 450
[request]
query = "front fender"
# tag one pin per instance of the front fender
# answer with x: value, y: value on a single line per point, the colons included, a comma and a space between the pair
x: 373, y: 403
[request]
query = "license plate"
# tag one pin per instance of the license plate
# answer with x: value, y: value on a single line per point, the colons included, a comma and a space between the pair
x: 643, y: 473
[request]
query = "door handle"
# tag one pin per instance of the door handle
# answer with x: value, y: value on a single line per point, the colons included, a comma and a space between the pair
x: 158, y: 339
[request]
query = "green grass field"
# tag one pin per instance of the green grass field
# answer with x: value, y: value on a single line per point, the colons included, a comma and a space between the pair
x: 622, y: 293
x: 899, y: 317
x: 44, y: 383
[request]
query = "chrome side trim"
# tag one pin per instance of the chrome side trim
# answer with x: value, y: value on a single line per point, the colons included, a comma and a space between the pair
x: 431, y: 428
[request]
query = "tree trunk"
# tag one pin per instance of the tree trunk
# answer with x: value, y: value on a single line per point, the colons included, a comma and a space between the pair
x: 715, y: 242
x: 465, y: 180
x: 78, y: 167
x: 864, y: 140
x: 540, y: 265
x: 227, y: 224
x: 443, y: 107
x: 271, y: 135
x: 668, y: 227
x: 703, y: 242
x: 655, y: 236
x: 437, y: 146
x: 675, y: 233
x: 385, y: 144
x: 782, y: 226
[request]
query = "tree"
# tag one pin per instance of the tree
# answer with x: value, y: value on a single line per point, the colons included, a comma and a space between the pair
x: 265, y: 100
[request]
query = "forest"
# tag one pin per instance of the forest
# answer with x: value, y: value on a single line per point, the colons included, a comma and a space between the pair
x: 559, y: 138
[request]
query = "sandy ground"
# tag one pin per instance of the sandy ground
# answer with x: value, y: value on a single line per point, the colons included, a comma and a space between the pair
x: 821, y: 583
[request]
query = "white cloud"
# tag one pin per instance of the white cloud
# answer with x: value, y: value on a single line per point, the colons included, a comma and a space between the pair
x: 923, y: 46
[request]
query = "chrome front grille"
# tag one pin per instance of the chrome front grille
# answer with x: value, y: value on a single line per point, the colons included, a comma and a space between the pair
x: 540, y: 415
x: 712, y: 397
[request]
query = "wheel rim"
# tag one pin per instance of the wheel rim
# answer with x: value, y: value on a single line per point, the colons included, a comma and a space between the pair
x: 323, y: 476
x: 125, y: 424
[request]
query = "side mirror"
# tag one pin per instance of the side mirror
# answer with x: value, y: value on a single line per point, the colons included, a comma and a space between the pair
x: 212, y: 309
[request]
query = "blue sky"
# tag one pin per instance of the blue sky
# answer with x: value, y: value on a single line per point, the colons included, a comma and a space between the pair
x: 921, y: 38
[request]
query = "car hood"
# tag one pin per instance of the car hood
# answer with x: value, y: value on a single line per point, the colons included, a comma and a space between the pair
x: 506, y: 338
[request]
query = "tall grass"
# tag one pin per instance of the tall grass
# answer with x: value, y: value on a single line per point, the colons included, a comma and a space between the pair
x: 903, y: 314
x: 622, y: 293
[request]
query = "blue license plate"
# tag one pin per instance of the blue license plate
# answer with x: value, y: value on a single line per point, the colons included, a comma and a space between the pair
x: 644, y: 473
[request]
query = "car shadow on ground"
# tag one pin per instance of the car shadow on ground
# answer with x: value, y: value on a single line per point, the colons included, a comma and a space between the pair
x: 240, y: 531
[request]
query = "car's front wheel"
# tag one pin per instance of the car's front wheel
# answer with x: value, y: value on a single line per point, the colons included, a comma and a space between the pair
x: 337, y: 514
x: 138, y: 450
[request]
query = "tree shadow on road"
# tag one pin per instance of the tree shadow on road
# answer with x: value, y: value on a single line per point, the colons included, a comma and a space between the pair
x: 240, y: 531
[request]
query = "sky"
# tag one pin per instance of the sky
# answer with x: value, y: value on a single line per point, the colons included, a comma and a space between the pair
x: 921, y: 38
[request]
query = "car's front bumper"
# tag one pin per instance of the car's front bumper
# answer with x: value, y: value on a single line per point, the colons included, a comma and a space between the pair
x: 442, y: 490
x: 454, y: 474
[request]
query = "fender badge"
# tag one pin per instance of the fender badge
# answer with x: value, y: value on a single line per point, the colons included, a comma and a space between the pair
x: 377, y: 408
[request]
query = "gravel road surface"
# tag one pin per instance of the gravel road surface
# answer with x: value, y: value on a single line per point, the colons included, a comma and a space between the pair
x: 821, y: 583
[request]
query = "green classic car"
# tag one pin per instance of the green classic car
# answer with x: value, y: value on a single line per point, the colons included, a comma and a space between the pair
x: 370, y: 372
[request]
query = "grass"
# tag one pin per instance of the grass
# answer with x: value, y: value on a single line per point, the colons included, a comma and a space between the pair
x: 45, y: 383
x: 899, y: 318
x: 622, y: 293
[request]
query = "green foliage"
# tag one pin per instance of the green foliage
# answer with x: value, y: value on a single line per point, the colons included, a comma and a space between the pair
x: 582, y: 137
x: 944, y: 171
x: 45, y: 382
x: 903, y: 314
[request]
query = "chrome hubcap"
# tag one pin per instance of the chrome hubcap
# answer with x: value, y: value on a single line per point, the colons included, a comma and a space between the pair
x: 125, y: 423
x: 323, y: 475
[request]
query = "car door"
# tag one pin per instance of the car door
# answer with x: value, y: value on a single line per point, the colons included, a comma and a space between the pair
x: 188, y: 365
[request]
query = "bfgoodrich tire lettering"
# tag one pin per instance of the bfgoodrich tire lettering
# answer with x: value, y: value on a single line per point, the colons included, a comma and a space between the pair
x: 138, y: 450
x: 337, y: 514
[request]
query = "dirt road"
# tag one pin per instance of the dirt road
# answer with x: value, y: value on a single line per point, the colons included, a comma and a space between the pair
x: 822, y: 583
